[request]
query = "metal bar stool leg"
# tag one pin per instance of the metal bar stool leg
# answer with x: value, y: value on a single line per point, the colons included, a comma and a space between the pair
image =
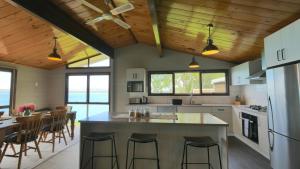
x: 219, y: 152
x: 157, y: 159
x: 93, y: 147
x: 82, y: 154
x: 112, y: 154
x: 183, y: 155
x: 116, y: 153
x: 127, y: 155
x: 133, y: 155
x: 186, y: 157
x: 208, y: 158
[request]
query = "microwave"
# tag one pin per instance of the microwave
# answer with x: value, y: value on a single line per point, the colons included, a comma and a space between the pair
x: 135, y: 86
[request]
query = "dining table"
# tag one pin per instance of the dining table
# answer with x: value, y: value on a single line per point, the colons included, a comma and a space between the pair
x: 9, y: 124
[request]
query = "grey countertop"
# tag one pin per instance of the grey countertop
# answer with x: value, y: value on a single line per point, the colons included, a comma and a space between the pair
x: 182, y: 118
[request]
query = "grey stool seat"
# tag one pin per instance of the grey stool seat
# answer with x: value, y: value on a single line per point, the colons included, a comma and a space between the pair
x: 199, y: 142
x: 99, y: 137
x: 142, y: 138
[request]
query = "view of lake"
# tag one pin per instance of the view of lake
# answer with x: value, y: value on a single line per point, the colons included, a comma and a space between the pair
x: 81, y: 109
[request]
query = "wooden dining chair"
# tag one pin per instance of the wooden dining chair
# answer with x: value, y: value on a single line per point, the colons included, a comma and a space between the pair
x: 28, y: 132
x: 56, y: 128
x: 68, y: 109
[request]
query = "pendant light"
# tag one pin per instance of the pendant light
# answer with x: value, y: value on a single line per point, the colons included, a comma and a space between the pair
x: 54, y: 55
x: 210, y: 49
x: 194, y: 64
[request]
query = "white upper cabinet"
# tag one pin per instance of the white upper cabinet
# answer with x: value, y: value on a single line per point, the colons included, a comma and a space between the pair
x: 240, y: 73
x: 283, y: 46
x: 136, y: 74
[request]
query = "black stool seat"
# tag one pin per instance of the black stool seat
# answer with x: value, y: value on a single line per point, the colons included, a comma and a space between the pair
x: 200, y: 141
x: 94, y: 137
x: 142, y: 138
x: 99, y: 136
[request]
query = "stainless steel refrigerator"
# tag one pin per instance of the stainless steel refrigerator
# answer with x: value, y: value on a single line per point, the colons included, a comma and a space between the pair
x: 284, y: 116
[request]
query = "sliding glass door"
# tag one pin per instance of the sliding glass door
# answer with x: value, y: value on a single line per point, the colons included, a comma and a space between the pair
x: 6, y: 90
x: 88, y: 94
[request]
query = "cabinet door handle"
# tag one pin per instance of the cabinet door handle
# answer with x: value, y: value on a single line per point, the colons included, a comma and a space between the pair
x: 283, y: 54
x: 278, y: 55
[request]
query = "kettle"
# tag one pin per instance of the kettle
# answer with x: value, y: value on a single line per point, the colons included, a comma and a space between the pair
x: 144, y: 100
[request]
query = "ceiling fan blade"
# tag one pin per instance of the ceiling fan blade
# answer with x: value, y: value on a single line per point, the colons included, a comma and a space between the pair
x: 93, y: 7
x: 121, y: 23
x: 92, y: 21
x: 122, y: 8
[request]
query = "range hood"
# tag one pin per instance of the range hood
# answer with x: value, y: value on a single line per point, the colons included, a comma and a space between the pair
x: 261, y: 75
x: 258, y: 73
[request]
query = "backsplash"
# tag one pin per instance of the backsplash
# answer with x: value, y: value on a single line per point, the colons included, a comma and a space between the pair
x: 234, y: 90
x: 255, y: 94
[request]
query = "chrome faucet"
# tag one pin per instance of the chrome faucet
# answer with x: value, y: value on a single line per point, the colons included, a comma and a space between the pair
x: 191, y: 98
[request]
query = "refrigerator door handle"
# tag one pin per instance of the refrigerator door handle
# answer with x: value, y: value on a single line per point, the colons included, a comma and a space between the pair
x: 271, y: 110
x: 271, y: 144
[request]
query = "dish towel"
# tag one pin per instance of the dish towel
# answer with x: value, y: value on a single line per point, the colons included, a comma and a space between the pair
x: 246, y: 127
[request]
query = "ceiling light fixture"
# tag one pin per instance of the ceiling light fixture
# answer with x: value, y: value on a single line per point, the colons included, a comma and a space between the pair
x: 54, y: 55
x: 210, y: 49
x: 194, y: 64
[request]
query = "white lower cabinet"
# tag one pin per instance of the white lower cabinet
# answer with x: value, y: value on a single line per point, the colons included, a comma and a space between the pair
x: 225, y: 114
x: 263, y: 145
x: 236, y: 121
x: 194, y: 109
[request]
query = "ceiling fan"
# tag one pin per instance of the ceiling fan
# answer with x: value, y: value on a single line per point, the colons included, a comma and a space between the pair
x: 109, y: 15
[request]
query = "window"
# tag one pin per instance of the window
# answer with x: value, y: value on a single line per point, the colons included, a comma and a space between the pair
x: 161, y: 83
x: 88, y: 94
x: 187, y: 82
x: 213, y: 82
x: 7, y: 80
x: 95, y: 61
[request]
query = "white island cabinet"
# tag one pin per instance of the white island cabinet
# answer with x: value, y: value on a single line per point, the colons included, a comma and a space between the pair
x: 170, y: 137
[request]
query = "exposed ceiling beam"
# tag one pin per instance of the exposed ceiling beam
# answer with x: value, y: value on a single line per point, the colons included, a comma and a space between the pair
x: 153, y: 13
x: 52, y: 13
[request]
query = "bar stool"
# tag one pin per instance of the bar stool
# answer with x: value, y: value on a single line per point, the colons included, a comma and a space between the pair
x: 141, y: 138
x: 100, y: 137
x: 200, y: 142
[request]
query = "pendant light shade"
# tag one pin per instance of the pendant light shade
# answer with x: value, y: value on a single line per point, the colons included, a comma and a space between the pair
x: 54, y: 55
x: 210, y: 49
x: 194, y: 64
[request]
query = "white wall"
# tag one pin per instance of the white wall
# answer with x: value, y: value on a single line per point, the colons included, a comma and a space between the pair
x: 143, y: 56
x: 26, y: 90
x: 255, y: 94
x: 56, y: 89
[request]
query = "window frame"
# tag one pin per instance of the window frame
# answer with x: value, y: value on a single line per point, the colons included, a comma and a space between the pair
x: 160, y: 72
x: 89, y: 67
x: 13, y: 85
x: 88, y: 88
x: 226, y: 71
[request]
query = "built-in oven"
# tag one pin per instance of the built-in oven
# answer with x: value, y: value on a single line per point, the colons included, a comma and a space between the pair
x: 250, y: 126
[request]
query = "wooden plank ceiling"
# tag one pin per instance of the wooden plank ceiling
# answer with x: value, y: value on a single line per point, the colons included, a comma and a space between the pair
x: 28, y: 40
x: 240, y: 26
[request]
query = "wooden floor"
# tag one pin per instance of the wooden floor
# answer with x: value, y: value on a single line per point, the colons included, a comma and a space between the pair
x: 243, y: 157
x: 240, y: 157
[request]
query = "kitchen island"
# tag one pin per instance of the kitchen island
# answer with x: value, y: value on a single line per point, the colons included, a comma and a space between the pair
x: 170, y: 133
